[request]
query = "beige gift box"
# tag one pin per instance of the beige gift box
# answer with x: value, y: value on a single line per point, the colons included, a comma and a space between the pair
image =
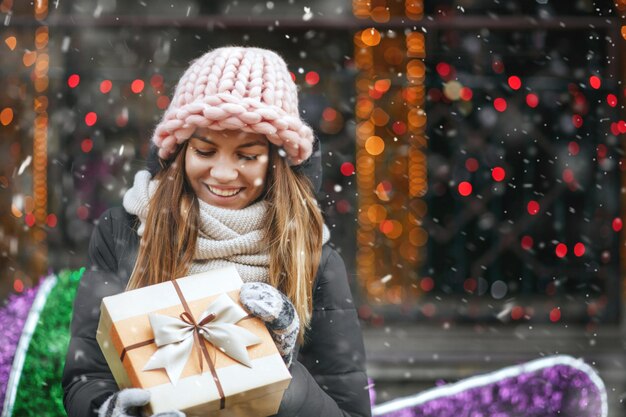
x: 127, y: 339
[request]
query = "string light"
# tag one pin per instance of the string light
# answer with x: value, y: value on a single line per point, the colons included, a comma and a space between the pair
x: 41, y: 61
x: 390, y: 160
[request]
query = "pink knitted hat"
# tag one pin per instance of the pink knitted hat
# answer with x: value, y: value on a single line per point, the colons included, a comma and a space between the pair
x: 236, y: 88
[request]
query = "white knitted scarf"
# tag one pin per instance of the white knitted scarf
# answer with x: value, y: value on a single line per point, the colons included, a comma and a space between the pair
x: 226, y: 237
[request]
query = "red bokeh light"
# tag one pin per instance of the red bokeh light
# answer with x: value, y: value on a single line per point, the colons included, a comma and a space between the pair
x: 105, y: 86
x: 329, y: 114
x: 611, y: 100
x: 617, y: 224
x: 443, y: 69
x: 527, y: 242
x: 91, y: 118
x: 312, y: 78
x: 532, y: 100
x: 595, y: 81
x: 579, y: 249
x: 577, y: 120
x: 499, y: 104
x: 18, y: 285
x: 497, y: 66
x: 30, y: 219
x: 156, y: 81
x: 498, y: 174
x: 162, y: 102
x: 51, y: 220
x: 427, y: 284
x: 466, y: 93
x: 532, y: 207
x: 137, y: 86
x: 465, y: 188
x: 514, y: 82
x: 73, y: 80
x: 561, y: 250
x: 347, y: 169
x: 471, y: 164
x: 573, y: 148
x: 517, y: 313
x: 86, y: 145
x: 568, y: 175
x: 399, y: 127
x: 470, y: 285
x: 555, y: 315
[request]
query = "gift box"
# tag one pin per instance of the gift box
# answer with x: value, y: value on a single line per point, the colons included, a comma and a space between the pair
x: 190, y: 343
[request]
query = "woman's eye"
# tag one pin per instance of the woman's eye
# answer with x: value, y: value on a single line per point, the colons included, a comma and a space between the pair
x: 248, y: 157
x: 202, y: 153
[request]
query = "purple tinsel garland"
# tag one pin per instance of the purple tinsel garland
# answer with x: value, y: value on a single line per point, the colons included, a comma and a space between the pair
x: 13, y: 315
x: 558, y: 390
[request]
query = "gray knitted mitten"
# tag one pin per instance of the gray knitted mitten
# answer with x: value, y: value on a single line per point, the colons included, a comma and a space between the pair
x: 275, y: 309
x: 128, y: 402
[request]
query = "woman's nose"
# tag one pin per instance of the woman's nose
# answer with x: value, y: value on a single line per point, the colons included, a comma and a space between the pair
x: 224, y: 171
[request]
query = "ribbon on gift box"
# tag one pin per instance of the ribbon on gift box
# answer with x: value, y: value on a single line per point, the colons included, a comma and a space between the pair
x: 175, y: 338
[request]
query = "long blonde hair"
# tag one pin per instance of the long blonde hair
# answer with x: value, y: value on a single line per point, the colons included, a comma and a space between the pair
x: 293, y: 232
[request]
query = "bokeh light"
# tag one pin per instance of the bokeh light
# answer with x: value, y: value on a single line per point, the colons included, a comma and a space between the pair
x: 515, y: 82
x: 465, y: 188
x: 526, y: 242
x: 374, y: 145
x: 595, y: 82
x: 86, y: 145
x: 370, y: 37
x: 91, y: 118
x: 616, y: 224
x: 312, y: 78
x: 499, y: 104
x: 611, y: 100
x: 579, y: 249
x: 555, y: 314
x: 105, y: 86
x: 498, y: 173
x: 471, y: 164
x: 11, y: 42
x: 347, y: 169
x: 532, y: 100
x: 532, y: 207
x: 137, y: 86
x: 6, y: 116
x: 73, y: 80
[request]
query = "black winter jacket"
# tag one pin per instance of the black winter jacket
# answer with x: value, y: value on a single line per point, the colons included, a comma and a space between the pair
x: 328, y: 378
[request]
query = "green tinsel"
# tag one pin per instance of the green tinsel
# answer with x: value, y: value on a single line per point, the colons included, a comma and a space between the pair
x: 39, y: 392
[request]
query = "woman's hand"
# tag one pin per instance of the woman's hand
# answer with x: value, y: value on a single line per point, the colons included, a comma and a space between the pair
x: 275, y: 309
x: 128, y: 403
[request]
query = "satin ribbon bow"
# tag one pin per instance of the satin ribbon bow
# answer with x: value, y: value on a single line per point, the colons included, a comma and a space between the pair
x: 175, y: 337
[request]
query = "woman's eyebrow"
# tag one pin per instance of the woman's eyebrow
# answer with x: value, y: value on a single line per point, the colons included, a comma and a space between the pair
x: 253, y: 143
x: 205, y: 140
x: 256, y: 142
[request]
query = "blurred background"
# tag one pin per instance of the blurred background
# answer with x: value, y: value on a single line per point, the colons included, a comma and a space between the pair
x: 473, y: 169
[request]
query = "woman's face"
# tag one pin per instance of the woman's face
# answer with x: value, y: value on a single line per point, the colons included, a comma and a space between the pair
x: 227, y: 168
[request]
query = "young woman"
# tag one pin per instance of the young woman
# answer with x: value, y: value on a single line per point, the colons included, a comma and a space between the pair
x: 230, y: 188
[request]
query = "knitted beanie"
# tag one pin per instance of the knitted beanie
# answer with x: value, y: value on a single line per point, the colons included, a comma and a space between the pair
x: 236, y: 88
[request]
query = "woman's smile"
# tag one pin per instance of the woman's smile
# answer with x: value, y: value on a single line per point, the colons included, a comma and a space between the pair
x: 224, y: 192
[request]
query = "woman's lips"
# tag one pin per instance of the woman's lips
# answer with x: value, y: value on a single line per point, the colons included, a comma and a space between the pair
x: 224, y: 192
